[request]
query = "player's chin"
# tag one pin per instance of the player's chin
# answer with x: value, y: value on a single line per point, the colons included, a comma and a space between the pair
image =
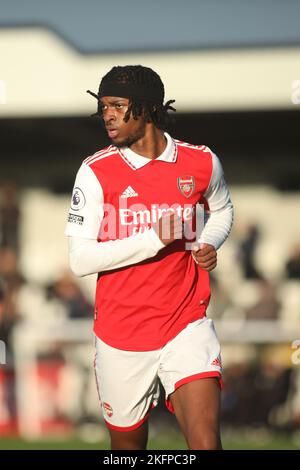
x: 119, y: 142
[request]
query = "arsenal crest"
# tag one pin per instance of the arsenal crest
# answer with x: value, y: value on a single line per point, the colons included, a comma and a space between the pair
x: 186, y: 185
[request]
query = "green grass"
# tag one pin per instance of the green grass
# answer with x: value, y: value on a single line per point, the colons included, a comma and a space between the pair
x: 273, y: 444
x: 159, y: 442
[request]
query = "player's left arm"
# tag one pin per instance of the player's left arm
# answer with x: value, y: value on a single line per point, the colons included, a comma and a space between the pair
x: 219, y: 219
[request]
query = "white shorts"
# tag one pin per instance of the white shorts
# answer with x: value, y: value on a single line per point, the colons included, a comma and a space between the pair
x: 128, y: 381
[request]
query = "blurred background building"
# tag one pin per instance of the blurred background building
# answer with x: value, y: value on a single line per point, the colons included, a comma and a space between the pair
x: 234, y: 69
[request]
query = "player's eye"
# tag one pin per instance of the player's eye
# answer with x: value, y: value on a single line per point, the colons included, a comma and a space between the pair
x: 102, y: 108
x: 119, y: 105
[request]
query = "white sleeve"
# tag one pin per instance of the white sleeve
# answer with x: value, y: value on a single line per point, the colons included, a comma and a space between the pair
x: 86, y: 254
x: 220, y: 215
x: 86, y: 209
x: 89, y: 256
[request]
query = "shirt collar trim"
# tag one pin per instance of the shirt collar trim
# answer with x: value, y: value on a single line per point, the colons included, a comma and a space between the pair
x: 136, y: 161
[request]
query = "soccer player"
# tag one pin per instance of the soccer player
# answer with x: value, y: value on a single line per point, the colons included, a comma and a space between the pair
x: 134, y: 213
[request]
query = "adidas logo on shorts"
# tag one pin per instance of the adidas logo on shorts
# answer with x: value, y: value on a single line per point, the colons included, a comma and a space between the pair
x: 129, y: 192
x: 217, y: 362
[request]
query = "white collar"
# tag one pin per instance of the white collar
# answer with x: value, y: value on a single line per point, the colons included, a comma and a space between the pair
x: 136, y: 161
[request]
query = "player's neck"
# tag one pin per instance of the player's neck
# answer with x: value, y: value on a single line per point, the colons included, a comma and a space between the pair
x: 152, y: 144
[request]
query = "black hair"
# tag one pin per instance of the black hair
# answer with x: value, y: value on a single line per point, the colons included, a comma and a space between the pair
x: 144, y: 89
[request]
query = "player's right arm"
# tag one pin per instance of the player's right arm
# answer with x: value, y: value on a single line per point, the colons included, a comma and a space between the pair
x: 86, y: 254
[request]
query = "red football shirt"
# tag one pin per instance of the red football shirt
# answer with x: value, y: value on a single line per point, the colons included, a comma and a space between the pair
x: 142, y: 306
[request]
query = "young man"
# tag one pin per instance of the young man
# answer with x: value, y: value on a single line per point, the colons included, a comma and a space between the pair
x: 132, y: 221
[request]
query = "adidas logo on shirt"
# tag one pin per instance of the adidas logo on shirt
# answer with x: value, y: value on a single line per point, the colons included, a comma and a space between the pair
x: 129, y: 192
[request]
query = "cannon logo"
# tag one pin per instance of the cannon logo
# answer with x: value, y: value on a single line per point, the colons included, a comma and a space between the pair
x: 108, y: 409
x: 186, y: 185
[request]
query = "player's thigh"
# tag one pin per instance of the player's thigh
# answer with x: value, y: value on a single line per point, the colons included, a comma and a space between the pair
x: 191, y: 375
x: 130, y: 440
x: 127, y: 385
x: 197, y: 404
x: 193, y: 354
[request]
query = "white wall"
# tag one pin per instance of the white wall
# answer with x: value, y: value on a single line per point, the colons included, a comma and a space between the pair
x: 43, y: 76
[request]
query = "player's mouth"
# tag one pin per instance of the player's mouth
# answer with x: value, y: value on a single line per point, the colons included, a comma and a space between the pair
x: 112, y: 133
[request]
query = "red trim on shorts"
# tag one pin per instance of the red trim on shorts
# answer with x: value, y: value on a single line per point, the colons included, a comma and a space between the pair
x: 191, y: 378
x: 127, y: 428
x: 96, y: 378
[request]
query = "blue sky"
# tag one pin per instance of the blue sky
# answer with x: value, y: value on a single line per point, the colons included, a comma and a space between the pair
x: 94, y: 26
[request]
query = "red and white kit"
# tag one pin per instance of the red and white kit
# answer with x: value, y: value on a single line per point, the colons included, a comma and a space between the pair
x: 128, y: 380
x: 146, y: 293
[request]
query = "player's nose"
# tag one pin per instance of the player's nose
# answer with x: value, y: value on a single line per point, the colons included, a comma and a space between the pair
x: 109, y: 115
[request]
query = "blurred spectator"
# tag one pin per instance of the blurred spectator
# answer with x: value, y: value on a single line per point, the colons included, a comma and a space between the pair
x: 237, y: 403
x: 66, y: 291
x: 65, y: 295
x: 271, y: 389
x: 252, y: 391
x: 293, y: 263
x: 11, y: 281
x: 8, y: 264
x: 267, y: 307
x: 9, y: 216
x: 1, y: 303
x: 247, y: 251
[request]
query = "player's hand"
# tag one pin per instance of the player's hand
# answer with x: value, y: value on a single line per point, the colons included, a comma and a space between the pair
x: 169, y: 227
x: 205, y: 256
